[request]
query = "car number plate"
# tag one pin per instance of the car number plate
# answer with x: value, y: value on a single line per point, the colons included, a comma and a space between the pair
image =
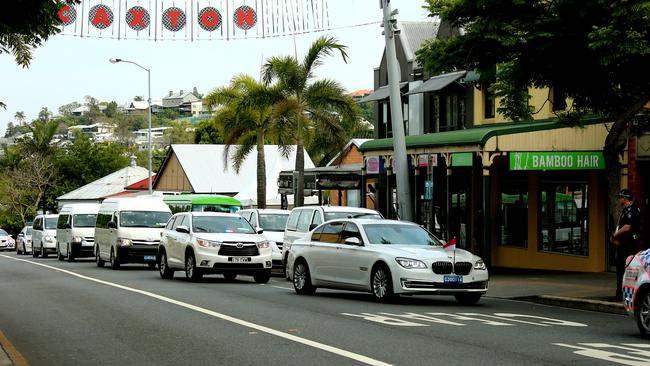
x: 240, y: 259
x: 452, y: 279
x: 149, y: 257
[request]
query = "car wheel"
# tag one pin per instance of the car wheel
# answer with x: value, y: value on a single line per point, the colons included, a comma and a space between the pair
x: 262, y: 277
x: 302, y: 279
x: 381, y: 284
x: 468, y: 299
x: 70, y: 257
x: 34, y: 252
x: 191, y: 272
x: 284, y: 268
x: 43, y: 251
x: 230, y: 276
x: 642, y: 312
x: 18, y: 251
x: 59, y: 256
x: 115, y: 263
x: 98, y: 258
x: 163, y: 267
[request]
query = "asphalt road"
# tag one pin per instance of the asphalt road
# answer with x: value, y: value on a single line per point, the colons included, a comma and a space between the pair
x: 60, y: 313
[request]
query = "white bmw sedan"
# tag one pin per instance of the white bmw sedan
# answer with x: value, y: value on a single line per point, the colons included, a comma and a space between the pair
x: 385, y: 258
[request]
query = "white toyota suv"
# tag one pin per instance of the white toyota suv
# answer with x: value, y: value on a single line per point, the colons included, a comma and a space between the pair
x: 201, y: 243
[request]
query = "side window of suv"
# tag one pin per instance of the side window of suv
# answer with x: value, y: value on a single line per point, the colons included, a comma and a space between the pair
x: 37, y: 224
x: 304, y: 220
x: 292, y: 222
x: 170, y: 224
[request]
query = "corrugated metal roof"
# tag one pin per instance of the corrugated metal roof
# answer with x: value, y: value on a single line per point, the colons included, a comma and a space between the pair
x: 204, y: 168
x: 108, y: 185
x: 414, y: 34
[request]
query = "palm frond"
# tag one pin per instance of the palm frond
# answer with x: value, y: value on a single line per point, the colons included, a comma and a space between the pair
x: 323, y: 46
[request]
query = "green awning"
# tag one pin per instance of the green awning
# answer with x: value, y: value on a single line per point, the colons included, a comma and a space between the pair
x: 477, y: 136
x: 438, y: 82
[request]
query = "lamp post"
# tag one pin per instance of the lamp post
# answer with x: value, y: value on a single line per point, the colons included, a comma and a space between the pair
x: 116, y: 60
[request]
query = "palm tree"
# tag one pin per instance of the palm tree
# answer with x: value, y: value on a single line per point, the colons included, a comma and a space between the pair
x: 244, y: 116
x: 310, y: 106
x: 19, y: 117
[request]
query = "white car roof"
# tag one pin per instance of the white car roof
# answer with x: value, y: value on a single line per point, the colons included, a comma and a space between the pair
x: 341, y: 209
x: 273, y: 211
x: 208, y: 213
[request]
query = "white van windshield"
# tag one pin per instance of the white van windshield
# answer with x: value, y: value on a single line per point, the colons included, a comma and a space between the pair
x: 84, y: 220
x: 150, y: 219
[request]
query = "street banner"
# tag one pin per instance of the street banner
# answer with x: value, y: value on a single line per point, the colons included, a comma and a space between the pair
x: 573, y: 160
x: 193, y: 20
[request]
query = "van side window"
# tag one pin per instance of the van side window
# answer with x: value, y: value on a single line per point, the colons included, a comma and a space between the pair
x: 292, y: 222
x: 102, y: 220
x: 304, y: 220
x: 38, y: 224
x: 317, y: 219
x: 63, y: 219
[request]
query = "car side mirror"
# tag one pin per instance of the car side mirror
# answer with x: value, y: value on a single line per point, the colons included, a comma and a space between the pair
x: 112, y: 225
x: 67, y: 226
x: 312, y: 227
x: 353, y: 241
x: 183, y: 229
x: 259, y: 230
x: 21, y: 235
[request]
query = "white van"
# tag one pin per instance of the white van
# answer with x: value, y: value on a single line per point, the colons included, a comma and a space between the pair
x: 128, y: 230
x: 75, y: 231
x: 44, y: 235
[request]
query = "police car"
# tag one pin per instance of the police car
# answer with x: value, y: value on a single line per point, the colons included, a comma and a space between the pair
x: 636, y: 290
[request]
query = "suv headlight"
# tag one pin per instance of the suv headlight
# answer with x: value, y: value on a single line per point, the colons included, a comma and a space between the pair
x: 49, y: 239
x: 480, y: 265
x: 208, y: 243
x: 263, y: 244
x: 411, y: 263
x: 77, y: 239
x: 124, y: 242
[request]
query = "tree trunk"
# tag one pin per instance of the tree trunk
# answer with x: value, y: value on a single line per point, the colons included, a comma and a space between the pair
x: 261, y: 171
x: 614, y: 146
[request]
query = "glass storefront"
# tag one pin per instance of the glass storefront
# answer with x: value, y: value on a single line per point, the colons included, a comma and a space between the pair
x: 564, y: 217
x: 512, y: 214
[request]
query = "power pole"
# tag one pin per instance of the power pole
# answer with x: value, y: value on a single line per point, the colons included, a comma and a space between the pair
x: 399, y: 141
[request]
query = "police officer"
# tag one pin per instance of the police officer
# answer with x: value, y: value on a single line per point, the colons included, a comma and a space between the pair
x: 626, y: 236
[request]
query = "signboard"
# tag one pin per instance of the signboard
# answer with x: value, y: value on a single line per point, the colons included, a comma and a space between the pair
x: 574, y: 160
x: 462, y: 159
x: 427, y: 160
x: 373, y: 165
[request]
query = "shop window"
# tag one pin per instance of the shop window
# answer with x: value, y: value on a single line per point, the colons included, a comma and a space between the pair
x: 513, y: 214
x: 564, y: 219
x: 353, y: 198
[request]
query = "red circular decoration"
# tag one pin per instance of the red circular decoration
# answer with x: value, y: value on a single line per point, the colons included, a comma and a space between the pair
x: 245, y: 17
x: 209, y: 19
x: 67, y: 14
x: 138, y: 18
x: 100, y: 16
x: 174, y: 19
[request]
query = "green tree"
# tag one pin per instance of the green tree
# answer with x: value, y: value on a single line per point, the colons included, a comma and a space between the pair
x: 138, y: 98
x: 66, y: 109
x: 19, y: 118
x: 111, y: 110
x: 93, y: 108
x: 593, y: 51
x: 208, y: 132
x: 10, y: 129
x: 308, y: 105
x: 179, y: 133
x: 245, y: 119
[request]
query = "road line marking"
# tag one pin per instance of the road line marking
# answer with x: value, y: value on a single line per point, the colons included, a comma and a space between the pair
x: 228, y: 318
x: 12, y: 352
x: 283, y: 288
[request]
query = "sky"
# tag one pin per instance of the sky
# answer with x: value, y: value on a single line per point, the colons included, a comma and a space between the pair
x: 67, y: 68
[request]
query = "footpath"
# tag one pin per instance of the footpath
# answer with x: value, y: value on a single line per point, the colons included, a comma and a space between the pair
x: 586, y: 291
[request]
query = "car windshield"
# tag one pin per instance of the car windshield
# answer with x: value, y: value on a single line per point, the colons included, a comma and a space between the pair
x: 351, y: 215
x: 150, y: 219
x: 3, y: 233
x: 84, y: 220
x: 50, y: 223
x: 221, y: 224
x: 273, y: 222
x: 399, y: 234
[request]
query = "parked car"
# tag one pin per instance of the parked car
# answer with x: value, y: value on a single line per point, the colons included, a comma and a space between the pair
x: 128, y: 230
x: 6, y: 241
x: 303, y: 219
x: 636, y: 290
x: 44, y: 235
x: 208, y: 242
x: 273, y: 222
x: 385, y: 258
x: 24, y: 241
x: 75, y: 231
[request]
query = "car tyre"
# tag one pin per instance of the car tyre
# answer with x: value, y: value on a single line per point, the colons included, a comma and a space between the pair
x: 230, y: 276
x: 34, y: 252
x: 302, y: 279
x: 18, y: 251
x: 642, y: 311
x: 381, y: 284
x: 262, y: 277
x: 59, y: 256
x: 468, y: 299
x: 113, y: 260
x: 98, y: 258
x: 43, y: 251
x: 191, y: 272
x: 69, y: 256
x: 163, y: 267
x: 284, y: 268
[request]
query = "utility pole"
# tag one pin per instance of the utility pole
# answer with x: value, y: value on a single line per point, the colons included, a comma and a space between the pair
x: 399, y: 141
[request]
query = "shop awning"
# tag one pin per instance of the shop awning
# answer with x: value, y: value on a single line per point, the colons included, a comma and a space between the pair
x: 380, y: 94
x: 437, y: 82
x: 477, y: 136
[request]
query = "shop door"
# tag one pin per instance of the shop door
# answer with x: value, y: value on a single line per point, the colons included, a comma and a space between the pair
x: 460, y: 202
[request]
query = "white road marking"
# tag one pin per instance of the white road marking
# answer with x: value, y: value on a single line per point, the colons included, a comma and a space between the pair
x: 595, y: 350
x: 284, y: 288
x: 261, y: 328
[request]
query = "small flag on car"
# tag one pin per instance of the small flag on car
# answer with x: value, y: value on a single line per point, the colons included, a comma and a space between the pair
x: 451, y: 244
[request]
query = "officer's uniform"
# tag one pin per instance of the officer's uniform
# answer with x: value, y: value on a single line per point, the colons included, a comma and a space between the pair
x: 629, y: 242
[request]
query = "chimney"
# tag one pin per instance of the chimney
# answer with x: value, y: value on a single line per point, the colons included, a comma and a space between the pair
x: 181, y: 91
x: 133, y: 164
x: 195, y: 91
x: 170, y: 93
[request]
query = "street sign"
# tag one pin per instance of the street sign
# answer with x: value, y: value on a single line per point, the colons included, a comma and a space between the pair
x: 462, y: 159
x: 572, y: 160
x: 373, y: 164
